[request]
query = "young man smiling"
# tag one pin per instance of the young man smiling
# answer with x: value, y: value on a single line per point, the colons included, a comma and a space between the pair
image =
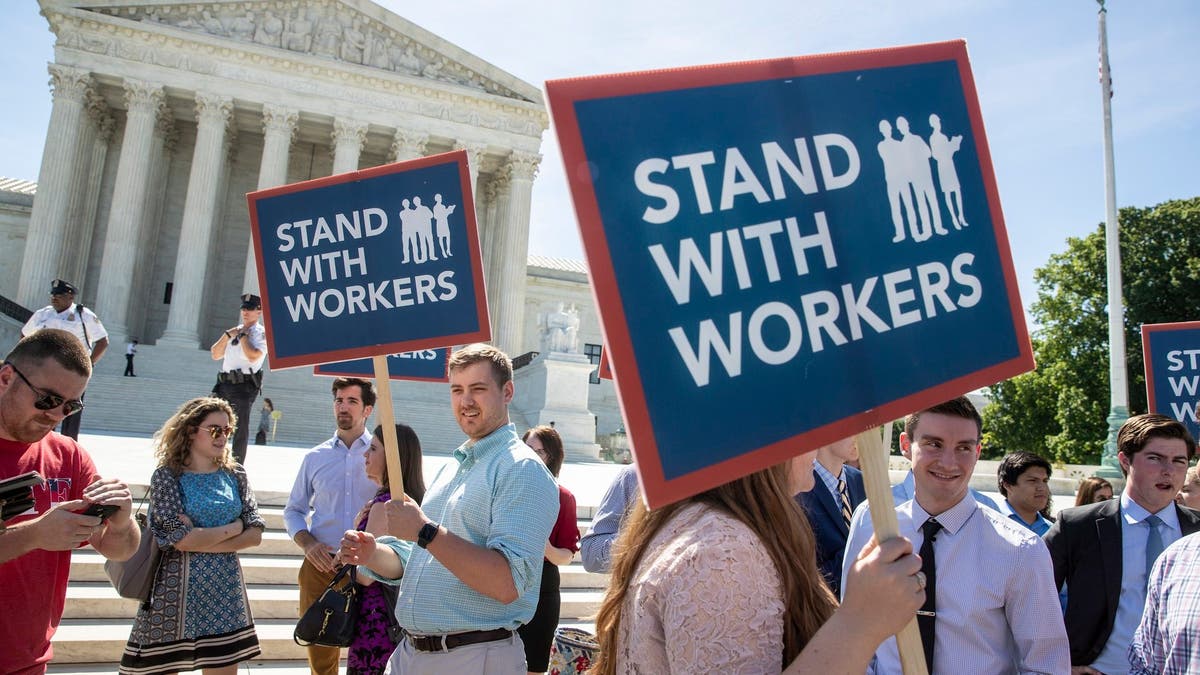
x: 990, y: 600
x: 1107, y: 549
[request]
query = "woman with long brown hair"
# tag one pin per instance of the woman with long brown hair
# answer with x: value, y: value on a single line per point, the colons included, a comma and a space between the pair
x: 727, y: 581
x: 374, y: 642
x: 202, y: 512
x: 1093, y: 489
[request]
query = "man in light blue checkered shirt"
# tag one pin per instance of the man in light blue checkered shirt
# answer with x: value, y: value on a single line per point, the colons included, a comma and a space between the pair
x: 481, y: 533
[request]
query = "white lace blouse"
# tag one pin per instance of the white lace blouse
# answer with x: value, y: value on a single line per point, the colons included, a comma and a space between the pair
x: 704, y: 599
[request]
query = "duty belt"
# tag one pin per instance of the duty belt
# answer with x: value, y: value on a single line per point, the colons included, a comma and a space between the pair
x: 238, y: 377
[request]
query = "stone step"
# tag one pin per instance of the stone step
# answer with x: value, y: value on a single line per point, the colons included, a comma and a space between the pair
x: 88, y: 646
x: 88, y: 566
x: 98, y: 600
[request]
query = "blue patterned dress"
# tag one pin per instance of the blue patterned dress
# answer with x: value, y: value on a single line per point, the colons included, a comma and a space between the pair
x: 198, y: 615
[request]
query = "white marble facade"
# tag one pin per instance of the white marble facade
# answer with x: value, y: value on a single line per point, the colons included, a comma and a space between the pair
x: 165, y: 114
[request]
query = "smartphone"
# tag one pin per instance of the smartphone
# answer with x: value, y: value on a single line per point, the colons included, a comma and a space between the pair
x: 102, y: 510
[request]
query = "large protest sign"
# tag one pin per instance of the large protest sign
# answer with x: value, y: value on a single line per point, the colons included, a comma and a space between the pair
x: 1172, y: 356
x: 426, y: 365
x: 380, y: 261
x: 786, y: 252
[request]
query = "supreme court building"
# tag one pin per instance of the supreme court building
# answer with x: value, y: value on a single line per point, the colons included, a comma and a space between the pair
x: 165, y: 114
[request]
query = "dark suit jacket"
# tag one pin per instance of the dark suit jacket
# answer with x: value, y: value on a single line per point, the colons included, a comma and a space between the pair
x: 825, y: 516
x: 1085, y: 545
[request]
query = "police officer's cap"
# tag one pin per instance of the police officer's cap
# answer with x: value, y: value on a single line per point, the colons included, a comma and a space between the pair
x: 251, y: 301
x: 59, y: 287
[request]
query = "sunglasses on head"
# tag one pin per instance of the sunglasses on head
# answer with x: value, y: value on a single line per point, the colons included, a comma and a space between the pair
x: 216, y: 430
x: 48, y: 400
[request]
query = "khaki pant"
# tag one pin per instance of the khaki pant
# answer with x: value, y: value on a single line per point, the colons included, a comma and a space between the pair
x: 322, y: 660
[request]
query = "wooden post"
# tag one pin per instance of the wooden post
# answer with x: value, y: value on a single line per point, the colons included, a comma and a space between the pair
x: 387, y: 420
x: 873, y: 457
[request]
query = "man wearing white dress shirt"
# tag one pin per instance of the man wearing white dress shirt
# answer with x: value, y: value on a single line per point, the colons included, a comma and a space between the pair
x: 65, y: 314
x: 1106, y: 550
x: 990, y: 606
x: 330, y: 489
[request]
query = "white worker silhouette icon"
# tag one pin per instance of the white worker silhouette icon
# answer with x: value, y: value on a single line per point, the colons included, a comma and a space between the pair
x: 920, y: 177
x: 943, y: 150
x: 892, y: 154
x: 441, y: 214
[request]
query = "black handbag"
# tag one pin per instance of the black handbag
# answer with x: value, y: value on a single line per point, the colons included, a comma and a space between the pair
x: 331, y: 620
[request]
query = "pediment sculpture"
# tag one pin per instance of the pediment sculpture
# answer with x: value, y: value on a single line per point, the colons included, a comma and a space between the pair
x: 328, y: 30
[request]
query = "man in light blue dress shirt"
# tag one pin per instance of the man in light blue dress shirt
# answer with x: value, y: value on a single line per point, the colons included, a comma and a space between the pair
x: 481, y: 531
x: 1024, y: 481
x: 330, y: 489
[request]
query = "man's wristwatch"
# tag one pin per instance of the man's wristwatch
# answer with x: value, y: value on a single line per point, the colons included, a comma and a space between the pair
x: 426, y: 535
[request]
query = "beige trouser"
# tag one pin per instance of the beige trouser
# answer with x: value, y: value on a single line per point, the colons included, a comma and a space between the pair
x: 322, y: 660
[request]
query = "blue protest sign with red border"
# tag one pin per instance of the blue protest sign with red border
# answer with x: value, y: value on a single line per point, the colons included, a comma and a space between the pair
x: 380, y: 261
x: 1171, y: 352
x: 426, y: 365
x: 786, y: 252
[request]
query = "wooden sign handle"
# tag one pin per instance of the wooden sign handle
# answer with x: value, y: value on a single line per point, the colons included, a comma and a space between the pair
x: 387, y: 420
x: 873, y: 458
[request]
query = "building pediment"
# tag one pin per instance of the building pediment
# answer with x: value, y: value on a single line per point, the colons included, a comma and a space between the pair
x: 357, y: 33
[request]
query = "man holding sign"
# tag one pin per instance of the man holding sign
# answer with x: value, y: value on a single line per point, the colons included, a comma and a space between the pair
x: 476, y: 575
x: 991, y: 605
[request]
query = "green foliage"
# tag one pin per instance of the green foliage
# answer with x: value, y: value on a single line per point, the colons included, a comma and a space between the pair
x: 1060, y: 409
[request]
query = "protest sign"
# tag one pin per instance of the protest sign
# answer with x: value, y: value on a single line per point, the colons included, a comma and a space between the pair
x: 786, y: 252
x: 1172, y: 355
x: 427, y: 365
x: 373, y: 262
x: 604, y: 370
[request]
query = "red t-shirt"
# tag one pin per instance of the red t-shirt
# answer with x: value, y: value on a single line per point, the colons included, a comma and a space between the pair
x: 33, y: 587
x: 566, y: 529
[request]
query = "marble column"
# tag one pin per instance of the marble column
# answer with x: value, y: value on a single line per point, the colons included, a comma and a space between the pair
x: 494, y: 258
x: 348, y: 138
x: 485, y: 219
x: 475, y: 152
x: 213, y: 114
x: 408, y: 145
x: 48, y: 221
x: 102, y: 144
x: 514, y: 249
x: 143, y: 101
x: 81, y: 219
x: 279, y: 127
x: 143, y: 297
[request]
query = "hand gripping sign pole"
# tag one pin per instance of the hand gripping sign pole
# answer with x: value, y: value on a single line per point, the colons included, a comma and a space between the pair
x: 872, y: 456
x: 387, y: 419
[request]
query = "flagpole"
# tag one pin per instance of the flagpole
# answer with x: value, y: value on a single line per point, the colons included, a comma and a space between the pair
x: 1118, y: 410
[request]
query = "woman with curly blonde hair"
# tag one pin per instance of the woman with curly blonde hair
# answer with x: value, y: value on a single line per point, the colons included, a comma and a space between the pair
x: 727, y: 581
x: 202, y: 512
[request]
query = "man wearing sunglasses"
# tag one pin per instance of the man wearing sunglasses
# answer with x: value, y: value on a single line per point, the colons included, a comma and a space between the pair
x: 63, y: 313
x: 241, y: 351
x: 41, y: 383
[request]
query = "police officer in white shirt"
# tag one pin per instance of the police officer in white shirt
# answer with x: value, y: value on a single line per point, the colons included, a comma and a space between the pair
x: 63, y: 313
x: 241, y: 350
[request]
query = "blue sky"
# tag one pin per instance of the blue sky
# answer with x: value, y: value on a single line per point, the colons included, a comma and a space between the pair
x: 1035, y: 66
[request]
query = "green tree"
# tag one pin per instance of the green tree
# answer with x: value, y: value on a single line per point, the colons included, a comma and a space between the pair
x: 1060, y: 409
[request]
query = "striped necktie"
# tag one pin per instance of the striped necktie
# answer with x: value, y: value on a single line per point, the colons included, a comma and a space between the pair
x: 844, y: 498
